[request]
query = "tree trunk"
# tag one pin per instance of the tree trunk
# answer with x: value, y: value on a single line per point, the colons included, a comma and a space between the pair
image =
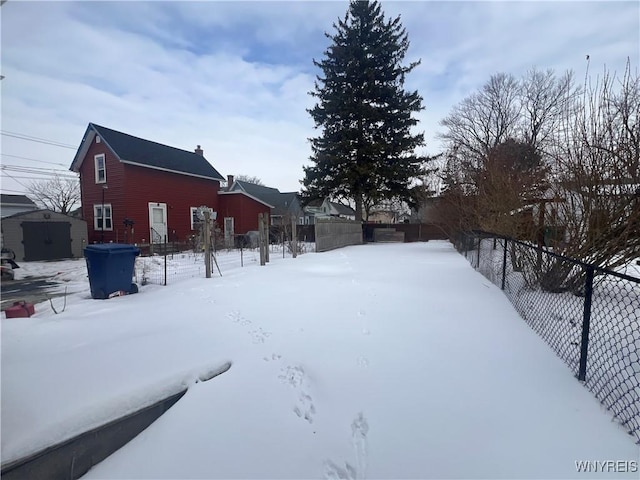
x: 359, y: 202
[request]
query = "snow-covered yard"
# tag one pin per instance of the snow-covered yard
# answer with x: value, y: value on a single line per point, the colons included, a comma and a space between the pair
x: 376, y: 361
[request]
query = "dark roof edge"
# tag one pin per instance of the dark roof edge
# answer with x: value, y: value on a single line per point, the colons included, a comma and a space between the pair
x: 144, y: 165
x: 242, y: 192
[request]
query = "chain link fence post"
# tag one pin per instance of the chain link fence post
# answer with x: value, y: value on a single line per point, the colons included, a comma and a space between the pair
x: 586, y: 321
x: 504, y: 263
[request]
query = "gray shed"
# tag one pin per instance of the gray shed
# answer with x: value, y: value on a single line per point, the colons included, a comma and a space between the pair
x: 44, y: 235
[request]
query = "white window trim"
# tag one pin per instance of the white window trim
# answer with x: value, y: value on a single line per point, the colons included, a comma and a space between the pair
x: 95, y: 166
x: 96, y: 217
x: 192, y: 211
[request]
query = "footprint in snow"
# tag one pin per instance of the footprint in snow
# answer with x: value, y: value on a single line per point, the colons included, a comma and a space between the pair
x: 334, y: 472
x: 359, y: 431
x: 273, y: 357
x: 259, y: 335
x: 363, y: 362
x: 296, y: 378
x: 235, y: 316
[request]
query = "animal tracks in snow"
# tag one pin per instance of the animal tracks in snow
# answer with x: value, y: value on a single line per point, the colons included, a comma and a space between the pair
x: 359, y: 432
x: 362, y: 314
x: 363, y: 362
x: 297, y: 379
x: 334, y: 472
x: 273, y: 357
x: 237, y: 317
x: 258, y: 335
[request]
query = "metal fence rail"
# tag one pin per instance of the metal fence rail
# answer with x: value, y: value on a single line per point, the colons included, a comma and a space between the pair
x: 590, y: 316
x: 168, y: 268
x: 172, y: 267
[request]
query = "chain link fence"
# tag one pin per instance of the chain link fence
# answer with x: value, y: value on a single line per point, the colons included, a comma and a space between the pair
x: 590, y: 316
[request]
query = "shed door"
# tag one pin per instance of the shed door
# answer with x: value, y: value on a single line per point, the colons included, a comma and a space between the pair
x: 46, y: 240
x: 157, y: 222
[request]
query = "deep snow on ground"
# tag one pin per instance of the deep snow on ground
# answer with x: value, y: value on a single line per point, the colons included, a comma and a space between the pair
x: 376, y: 361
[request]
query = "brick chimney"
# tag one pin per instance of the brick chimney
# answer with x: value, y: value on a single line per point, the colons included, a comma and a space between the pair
x: 199, y: 151
x: 229, y: 181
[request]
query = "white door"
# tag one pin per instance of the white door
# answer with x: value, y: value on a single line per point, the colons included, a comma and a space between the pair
x: 157, y: 222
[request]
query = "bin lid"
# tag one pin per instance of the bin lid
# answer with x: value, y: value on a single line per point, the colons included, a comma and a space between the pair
x: 108, y: 248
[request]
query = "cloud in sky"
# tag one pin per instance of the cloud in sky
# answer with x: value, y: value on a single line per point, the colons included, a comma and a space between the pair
x: 234, y: 76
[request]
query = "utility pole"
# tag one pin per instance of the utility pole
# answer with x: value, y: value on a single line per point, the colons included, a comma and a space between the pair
x: 104, y: 187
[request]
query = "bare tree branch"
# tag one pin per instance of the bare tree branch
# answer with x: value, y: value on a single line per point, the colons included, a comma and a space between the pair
x: 58, y: 194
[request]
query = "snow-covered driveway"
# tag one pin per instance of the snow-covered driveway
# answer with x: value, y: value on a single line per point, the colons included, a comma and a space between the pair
x: 377, y: 361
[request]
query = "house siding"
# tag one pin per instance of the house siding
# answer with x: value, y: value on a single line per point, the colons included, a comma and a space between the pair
x: 129, y: 191
x: 91, y: 192
x: 243, y: 209
x: 178, y: 192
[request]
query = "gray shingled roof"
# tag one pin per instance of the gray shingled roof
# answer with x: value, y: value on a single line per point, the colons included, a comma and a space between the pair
x: 16, y: 200
x: 272, y: 196
x: 155, y: 155
x: 343, y: 209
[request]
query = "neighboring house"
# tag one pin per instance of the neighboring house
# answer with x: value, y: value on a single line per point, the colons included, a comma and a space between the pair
x: 339, y: 210
x: 44, y: 235
x: 383, y: 216
x: 12, y: 204
x: 326, y: 208
x: 283, y: 206
x: 313, y: 209
x: 139, y: 191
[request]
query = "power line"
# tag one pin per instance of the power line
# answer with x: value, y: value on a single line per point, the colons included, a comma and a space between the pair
x: 33, y: 137
x: 32, y: 178
x: 32, y: 159
x: 19, y: 182
x: 39, y: 170
x: 29, y: 138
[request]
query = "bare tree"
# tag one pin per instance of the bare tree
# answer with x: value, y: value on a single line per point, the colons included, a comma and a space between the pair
x: 583, y: 179
x: 598, y: 172
x: 543, y: 98
x: 484, y: 119
x: 510, y: 180
x: 249, y: 179
x: 498, y: 141
x: 58, y: 194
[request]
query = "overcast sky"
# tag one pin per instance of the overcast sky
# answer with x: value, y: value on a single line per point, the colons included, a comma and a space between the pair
x: 234, y: 76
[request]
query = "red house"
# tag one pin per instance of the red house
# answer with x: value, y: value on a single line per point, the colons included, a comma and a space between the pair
x: 138, y: 191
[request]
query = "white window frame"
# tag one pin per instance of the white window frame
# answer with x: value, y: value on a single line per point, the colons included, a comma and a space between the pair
x: 96, y: 158
x: 97, y: 217
x: 193, y: 211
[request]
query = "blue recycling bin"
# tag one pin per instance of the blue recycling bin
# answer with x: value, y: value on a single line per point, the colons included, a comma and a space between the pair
x: 110, y: 267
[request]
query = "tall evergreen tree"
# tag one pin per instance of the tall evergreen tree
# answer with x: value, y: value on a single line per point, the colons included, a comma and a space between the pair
x: 365, y: 152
